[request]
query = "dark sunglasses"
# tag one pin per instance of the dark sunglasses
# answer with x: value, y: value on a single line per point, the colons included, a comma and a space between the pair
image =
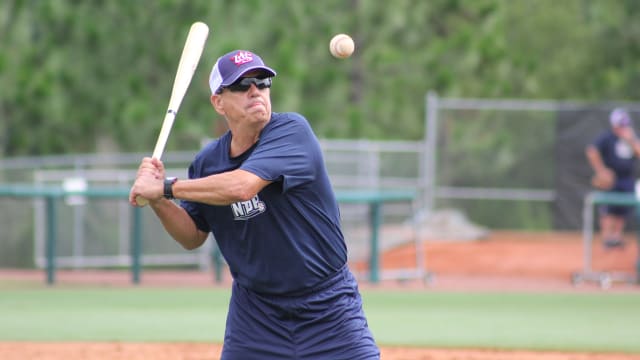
x: 243, y: 84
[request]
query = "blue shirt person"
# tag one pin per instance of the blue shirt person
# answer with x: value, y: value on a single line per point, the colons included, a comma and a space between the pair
x: 612, y: 156
x: 262, y: 189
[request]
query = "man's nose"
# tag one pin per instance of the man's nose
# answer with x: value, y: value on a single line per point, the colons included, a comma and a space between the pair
x: 253, y: 88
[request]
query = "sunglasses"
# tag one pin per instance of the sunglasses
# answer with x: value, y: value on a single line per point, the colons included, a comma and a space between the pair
x: 243, y: 84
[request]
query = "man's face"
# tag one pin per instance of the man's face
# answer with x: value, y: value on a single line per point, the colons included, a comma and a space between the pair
x: 244, y: 101
x: 622, y: 131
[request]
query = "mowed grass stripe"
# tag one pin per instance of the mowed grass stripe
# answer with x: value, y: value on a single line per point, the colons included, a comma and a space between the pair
x: 575, y: 322
x: 134, y: 314
x: 601, y: 322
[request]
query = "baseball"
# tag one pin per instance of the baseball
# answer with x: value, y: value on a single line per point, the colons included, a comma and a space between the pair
x: 341, y: 46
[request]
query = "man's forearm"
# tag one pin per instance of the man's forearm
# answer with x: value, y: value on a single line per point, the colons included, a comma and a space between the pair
x: 635, y: 145
x: 220, y: 189
x: 595, y: 160
x: 178, y: 224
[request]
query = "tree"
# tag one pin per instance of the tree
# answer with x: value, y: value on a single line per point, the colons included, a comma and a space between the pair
x: 86, y: 76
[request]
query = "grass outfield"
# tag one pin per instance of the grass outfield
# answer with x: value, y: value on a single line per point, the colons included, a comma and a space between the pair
x: 601, y: 322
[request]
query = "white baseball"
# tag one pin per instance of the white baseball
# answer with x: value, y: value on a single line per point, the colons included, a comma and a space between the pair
x: 341, y: 46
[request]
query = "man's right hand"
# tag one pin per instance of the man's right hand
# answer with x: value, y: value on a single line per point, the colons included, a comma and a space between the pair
x: 603, y: 179
x: 149, y: 182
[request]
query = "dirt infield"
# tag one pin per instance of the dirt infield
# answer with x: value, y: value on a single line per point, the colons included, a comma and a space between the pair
x: 519, y: 261
x: 199, y: 351
x: 504, y: 261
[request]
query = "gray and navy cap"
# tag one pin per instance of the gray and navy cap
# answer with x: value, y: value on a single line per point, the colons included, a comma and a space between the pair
x: 620, y: 117
x: 231, y: 66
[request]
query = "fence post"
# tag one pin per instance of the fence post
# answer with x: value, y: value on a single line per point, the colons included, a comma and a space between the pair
x: 52, y: 230
x: 430, y: 156
x: 374, y: 265
x: 217, y: 262
x: 136, y: 244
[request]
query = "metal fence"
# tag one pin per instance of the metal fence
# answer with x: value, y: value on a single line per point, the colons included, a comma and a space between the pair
x: 95, y: 232
x: 515, y: 164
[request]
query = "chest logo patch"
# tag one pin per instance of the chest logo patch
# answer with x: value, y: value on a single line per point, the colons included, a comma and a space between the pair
x: 244, y: 210
x: 623, y: 150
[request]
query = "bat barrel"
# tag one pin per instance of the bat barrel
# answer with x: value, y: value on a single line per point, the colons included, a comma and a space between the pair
x: 193, y: 47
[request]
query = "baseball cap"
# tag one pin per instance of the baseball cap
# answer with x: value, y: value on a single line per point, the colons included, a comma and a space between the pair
x: 619, y: 117
x: 231, y: 66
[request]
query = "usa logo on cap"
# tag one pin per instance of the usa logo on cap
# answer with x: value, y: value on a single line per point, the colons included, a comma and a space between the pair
x: 242, y: 57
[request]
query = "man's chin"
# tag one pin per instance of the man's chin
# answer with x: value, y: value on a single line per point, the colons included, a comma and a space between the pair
x: 260, y: 114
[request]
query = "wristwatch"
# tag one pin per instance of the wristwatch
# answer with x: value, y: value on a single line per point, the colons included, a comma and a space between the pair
x: 168, y: 186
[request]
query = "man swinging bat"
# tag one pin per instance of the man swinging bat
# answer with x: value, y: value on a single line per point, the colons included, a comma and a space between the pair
x: 262, y: 189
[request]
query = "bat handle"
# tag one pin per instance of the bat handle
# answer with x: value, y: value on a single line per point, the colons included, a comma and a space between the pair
x: 142, y: 202
x: 167, y: 123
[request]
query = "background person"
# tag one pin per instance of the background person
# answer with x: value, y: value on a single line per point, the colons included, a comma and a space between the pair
x: 263, y: 190
x: 612, y: 157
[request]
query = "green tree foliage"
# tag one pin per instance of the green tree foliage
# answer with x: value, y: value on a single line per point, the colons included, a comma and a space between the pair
x: 92, y: 75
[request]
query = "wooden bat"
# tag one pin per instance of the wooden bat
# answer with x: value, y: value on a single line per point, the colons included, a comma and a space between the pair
x: 193, y: 47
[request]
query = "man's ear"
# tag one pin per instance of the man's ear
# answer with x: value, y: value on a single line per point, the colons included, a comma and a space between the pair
x: 218, y: 103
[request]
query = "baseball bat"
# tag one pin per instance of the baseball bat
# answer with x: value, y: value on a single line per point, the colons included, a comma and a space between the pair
x: 193, y: 47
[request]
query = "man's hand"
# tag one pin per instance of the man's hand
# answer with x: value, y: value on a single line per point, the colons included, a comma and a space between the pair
x: 603, y: 179
x: 149, y: 182
x: 627, y: 134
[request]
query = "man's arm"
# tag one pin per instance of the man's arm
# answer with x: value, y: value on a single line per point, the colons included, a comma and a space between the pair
x: 604, y: 177
x: 595, y: 159
x: 629, y: 135
x: 635, y: 144
x: 220, y: 189
x: 178, y: 223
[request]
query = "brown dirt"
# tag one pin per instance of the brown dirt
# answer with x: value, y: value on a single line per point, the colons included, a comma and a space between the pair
x: 199, y: 351
x: 504, y: 261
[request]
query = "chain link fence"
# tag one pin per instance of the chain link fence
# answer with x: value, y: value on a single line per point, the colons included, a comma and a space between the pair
x: 502, y: 164
x: 512, y: 164
x: 96, y: 232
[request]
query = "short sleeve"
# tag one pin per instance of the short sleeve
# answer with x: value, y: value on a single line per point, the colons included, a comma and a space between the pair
x: 287, y: 151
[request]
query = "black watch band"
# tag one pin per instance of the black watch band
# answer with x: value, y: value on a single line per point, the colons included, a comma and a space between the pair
x: 168, y: 187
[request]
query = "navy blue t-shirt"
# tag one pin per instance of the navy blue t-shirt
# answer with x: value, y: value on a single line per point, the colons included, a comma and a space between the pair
x: 619, y: 156
x: 287, y: 238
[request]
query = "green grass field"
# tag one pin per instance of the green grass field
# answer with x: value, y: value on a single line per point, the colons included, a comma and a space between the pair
x: 601, y: 322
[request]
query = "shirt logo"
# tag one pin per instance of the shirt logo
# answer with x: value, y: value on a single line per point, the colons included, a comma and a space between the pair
x: 623, y: 150
x: 242, y: 57
x: 244, y: 210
